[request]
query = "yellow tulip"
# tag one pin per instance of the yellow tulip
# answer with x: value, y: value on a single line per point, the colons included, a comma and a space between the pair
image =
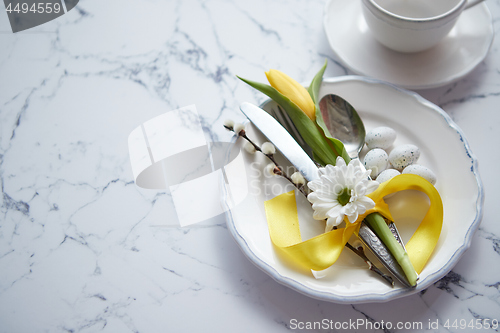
x: 293, y: 90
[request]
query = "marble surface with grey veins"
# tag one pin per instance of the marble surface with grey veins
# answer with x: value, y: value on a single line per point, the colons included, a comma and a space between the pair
x: 83, y: 249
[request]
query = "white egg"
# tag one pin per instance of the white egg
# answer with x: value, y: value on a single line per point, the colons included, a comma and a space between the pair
x: 380, y: 137
x: 376, y: 160
x: 387, y: 174
x: 422, y: 171
x: 404, y: 155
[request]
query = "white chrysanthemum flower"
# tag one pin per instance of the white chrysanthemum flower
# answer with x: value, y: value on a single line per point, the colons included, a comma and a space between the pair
x: 268, y: 148
x: 341, y: 191
x: 249, y: 147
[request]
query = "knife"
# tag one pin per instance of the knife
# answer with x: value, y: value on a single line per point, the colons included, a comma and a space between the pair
x: 292, y: 151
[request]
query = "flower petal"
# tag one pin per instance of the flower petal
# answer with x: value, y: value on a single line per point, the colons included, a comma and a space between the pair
x: 293, y: 90
x: 372, y: 186
x: 334, y: 180
x: 340, y: 162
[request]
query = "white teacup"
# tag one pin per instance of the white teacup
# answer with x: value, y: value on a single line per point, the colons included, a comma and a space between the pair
x: 412, y: 25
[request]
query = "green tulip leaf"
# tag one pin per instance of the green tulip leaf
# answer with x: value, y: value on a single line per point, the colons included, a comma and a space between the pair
x: 315, y: 85
x: 308, y: 129
x: 313, y: 90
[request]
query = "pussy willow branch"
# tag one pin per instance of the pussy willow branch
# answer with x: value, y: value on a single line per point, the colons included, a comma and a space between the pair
x: 282, y: 173
x: 358, y: 252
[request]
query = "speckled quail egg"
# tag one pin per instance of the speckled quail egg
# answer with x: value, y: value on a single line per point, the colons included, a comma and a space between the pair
x: 387, y: 174
x: 404, y: 155
x: 376, y: 160
x: 421, y: 171
x: 380, y: 137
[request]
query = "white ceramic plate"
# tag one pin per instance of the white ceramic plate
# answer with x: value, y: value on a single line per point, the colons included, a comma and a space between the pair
x: 443, y: 148
x: 453, y: 58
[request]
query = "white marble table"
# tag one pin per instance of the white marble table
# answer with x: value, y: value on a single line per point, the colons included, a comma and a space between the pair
x: 80, y: 249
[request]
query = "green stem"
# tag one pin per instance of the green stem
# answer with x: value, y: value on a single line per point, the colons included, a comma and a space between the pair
x: 380, y: 228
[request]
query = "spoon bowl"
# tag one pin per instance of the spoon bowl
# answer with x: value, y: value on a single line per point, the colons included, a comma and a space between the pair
x: 343, y: 122
x: 341, y: 119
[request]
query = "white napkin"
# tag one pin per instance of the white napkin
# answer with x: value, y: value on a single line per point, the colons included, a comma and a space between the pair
x: 171, y: 152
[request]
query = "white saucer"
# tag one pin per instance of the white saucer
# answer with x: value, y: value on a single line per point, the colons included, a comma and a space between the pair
x: 456, y: 56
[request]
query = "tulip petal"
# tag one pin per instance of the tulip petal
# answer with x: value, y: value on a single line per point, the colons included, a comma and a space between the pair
x: 293, y: 90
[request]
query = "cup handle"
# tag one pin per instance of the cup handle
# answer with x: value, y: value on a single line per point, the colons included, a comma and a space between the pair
x: 472, y: 3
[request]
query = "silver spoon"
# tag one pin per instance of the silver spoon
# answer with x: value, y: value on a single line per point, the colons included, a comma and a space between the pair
x: 344, y: 124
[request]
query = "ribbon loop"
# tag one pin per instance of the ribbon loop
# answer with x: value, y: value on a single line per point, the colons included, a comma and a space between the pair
x: 322, y: 251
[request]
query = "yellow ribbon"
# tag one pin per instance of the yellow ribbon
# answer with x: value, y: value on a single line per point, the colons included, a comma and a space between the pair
x: 322, y: 251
